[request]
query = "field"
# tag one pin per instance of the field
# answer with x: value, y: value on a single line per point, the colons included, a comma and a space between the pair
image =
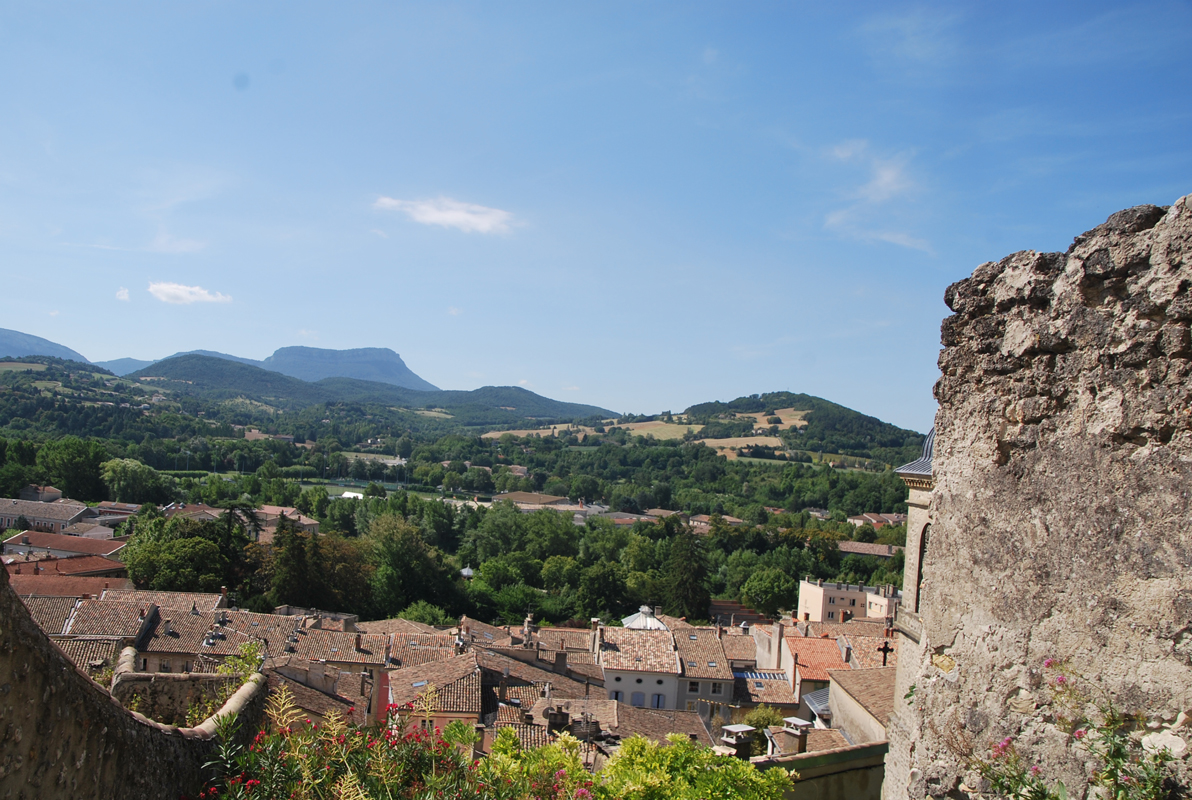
x: 789, y: 416
x: 661, y: 430
x: 722, y: 446
x: 17, y: 366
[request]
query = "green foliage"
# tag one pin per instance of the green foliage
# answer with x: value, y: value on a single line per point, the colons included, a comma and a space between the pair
x: 1122, y: 768
x: 338, y: 760
x: 769, y: 590
x: 130, y: 481
x: 687, y: 571
x: 424, y: 612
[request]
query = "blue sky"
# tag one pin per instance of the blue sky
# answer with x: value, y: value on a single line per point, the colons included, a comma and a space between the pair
x: 637, y: 205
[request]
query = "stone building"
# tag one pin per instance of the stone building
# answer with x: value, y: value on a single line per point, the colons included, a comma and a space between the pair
x: 1050, y: 518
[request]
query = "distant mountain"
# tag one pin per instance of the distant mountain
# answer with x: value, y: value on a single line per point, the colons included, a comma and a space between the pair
x: 216, y: 379
x: 379, y: 364
x: 123, y: 366
x: 15, y: 343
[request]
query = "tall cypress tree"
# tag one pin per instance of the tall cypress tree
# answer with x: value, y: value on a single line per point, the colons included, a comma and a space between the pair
x: 686, y: 576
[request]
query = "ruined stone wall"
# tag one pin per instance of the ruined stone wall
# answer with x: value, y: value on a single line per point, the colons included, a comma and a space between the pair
x: 167, y: 697
x: 1062, y: 524
x: 63, y: 736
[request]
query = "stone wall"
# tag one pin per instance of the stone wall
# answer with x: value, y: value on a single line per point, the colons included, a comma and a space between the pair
x: 164, y: 697
x: 1062, y: 525
x: 63, y: 736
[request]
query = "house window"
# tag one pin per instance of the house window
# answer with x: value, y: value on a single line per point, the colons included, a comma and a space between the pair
x: 717, y: 688
x: 638, y: 700
x: 831, y: 615
x: 163, y: 666
x: 426, y: 724
x: 691, y: 705
x: 658, y: 701
x: 615, y: 696
x: 186, y: 666
x: 852, y: 601
x: 832, y: 601
x: 692, y: 687
x: 144, y: 665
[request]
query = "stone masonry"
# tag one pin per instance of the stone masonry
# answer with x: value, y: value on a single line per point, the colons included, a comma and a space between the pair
x: 63, y: 736
x: 1061, y: 524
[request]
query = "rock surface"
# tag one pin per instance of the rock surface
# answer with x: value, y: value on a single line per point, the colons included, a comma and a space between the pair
x: 1062, y: 525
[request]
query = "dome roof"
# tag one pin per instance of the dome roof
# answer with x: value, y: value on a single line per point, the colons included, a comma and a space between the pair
x: 644, y: 620
x: 920, y: 467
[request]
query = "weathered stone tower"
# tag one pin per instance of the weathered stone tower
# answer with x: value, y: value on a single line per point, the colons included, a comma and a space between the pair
x: 1059, y: 523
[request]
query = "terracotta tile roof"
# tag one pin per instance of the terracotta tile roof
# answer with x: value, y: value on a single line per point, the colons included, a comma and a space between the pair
x: 580, y: 665
x: 179, y: 601
x: 763, y: 686
x: 739, y: 648
x: 625, y: 720
x: 31, y: 509
x: 456, y: 682
x: 75, y: 565
x: 872, y: 688
x: 314, y: 701
x: 854, y: 627
x: 412, y: 649
x: 65, y: 543
x: 234, y: 628
x: 868, y: 549
x: 866, y: 652
x: 814, y: 657
x: 564, y: 638
x: 530, y: 736
x: 702, y: 655
x: 84, y: 528
x: 483, y: 633
x: 732, y: 613
x: 316, y: 644
x: 674, y: 623
x: 817, y: 739
x: 50, y: 613
x: 628, y: 649
x: 64, y: 586
x: 396, y: 625
x: 184, y: 635
x: 523, y: 674
x: 102, y: 618
x: 86, y: 652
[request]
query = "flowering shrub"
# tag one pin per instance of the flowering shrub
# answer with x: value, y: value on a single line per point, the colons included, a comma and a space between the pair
x: 336, y: 760
x: 1123, y: 769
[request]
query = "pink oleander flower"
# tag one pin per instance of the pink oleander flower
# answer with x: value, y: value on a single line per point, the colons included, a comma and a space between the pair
x: 1035, y: 770
x: 1080, y: 734
x: 1049, y: 663
x: 1060, y: 680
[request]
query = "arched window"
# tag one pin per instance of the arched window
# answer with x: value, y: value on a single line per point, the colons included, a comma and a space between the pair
x: 919, y: 576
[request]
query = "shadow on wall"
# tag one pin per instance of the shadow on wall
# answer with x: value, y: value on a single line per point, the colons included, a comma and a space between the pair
x: 63, y: 736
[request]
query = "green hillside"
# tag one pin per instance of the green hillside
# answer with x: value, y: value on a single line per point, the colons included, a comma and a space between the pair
x: 831, y: 427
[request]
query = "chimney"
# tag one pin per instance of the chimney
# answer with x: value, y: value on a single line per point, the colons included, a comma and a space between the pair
x: 502, y: 689
x: 719, y: 632
x: 223, y: 591
x: 166, y: 628
x: 561, y: 662
x: 86, y: 596
x: 358, y: 639
x: 800, y: 740
x: 657, y: 611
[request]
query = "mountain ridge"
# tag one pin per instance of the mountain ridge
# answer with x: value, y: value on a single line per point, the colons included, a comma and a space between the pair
x: 17, y: 344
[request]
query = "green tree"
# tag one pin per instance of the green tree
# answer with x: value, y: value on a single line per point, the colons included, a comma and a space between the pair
x: 407, y: 568
x: 73, y: 465
x: 686, y: 576
x: 427, y: 614
x: 192, y: 564
x: 770, y: 590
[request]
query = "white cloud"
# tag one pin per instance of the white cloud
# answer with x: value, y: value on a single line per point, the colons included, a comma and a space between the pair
x: 850, y: 149
x: 305, y: 334
x: 710, y: 55
x: 889, y: 180
x: 165, y: 243
x: 523, y: 382
x: 122, y: 294
x: 179, y: 294
x: 455, y: 312
x: 380, y: 233
x: 571, y: 388
x: 448, y: 213
x: 53, y: 313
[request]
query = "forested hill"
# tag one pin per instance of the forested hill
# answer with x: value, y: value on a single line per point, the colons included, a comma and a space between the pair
x: 830, y: 428
x: 216, y: 380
